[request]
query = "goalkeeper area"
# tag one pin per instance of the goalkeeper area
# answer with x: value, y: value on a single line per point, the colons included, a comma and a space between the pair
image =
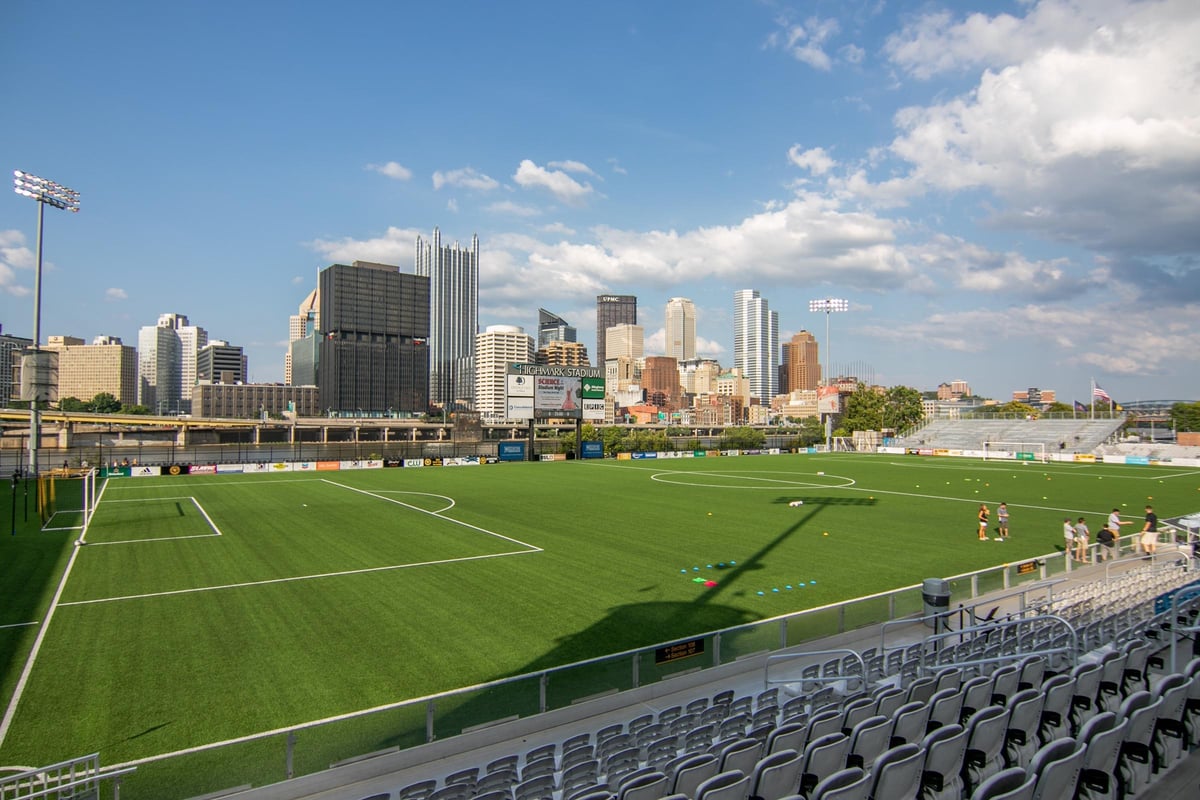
x: 201, y: 609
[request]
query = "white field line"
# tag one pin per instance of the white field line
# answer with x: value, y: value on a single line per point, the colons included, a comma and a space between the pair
x: 203, y: 513
x: 17, y: 625
x: 19, y: 690
x: 295, y: 578
x: 436, y: 514
x: 145, y: 483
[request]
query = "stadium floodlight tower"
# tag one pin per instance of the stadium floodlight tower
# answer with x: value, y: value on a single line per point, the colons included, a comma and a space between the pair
x: 828, y: 305
x: 45, y: 192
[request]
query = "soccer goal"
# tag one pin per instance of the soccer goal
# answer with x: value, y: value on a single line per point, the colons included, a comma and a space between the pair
x: 1021, y: 451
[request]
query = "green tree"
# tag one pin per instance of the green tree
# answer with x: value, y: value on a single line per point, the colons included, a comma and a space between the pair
x: 105, y: 403
x: 1016, y: 407
x: 136, y: 409
x: 743, y: 438
x: 902, y: 408
x: 864, y: 410
x: 72, y: 404
x: 1186, y: 416
x: 812, y: 431
x: 1059, y: 408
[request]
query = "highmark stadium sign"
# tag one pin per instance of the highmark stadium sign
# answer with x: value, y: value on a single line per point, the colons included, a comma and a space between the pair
x: 535, y: 391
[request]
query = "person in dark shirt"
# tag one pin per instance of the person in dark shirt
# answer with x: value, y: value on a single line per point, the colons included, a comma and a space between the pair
x: 1150, y: 532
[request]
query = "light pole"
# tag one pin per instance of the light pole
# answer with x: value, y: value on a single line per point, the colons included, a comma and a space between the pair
x: 45, y: 193
x: 828, y: 305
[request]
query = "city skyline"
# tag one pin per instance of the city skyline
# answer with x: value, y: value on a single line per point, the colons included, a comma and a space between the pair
x: 1004, y: 192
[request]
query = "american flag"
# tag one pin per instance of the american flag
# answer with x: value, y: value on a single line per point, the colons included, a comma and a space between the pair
x: 1080, y: 407
x: 1100, y: 394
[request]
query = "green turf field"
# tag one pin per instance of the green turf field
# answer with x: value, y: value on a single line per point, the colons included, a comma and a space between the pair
x: 206, y: 608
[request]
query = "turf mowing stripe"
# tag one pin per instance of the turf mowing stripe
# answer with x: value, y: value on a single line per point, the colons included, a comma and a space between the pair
x: 11, y: 711
x: 340, y: 574
x: 532, y: 547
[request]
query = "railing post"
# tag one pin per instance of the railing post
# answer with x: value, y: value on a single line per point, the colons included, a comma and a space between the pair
x: 1007, y: 578
x: 429, y: 722
x: 892, y: 606
x: 842, y: 618
x: 975, y: 586
x: 783, y: 633
x: 716, y: 649
x: 637, y: 664
x: 291, y: 749
x: 543, y: 682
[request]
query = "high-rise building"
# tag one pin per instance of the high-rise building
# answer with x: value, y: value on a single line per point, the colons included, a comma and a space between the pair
x: 625, y: 340
x: 563, y: 354
x: 453, y: 274
x: 495, y: 349
x: 221, y: 362
x: 304, y: 322
x: 159, y: 365
x: 553, y: 328
x: 699, y: 376
x: 167, y: 363
x: 756, y: 343
x: 801, y: 369
x: 612, y: 309
x: 660, y: 379
x: 86, y: 370
x: 370, y: 351
x: 681, y: 329
x: 10, y: 360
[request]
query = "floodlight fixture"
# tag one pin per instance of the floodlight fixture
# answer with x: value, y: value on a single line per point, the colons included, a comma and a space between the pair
x: 829, y: 305
x: 46, y: 193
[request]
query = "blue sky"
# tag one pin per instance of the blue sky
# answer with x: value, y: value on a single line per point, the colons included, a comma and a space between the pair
x: 1006, y: 192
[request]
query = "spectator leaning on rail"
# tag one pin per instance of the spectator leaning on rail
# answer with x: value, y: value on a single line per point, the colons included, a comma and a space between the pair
x: 1150, y: 532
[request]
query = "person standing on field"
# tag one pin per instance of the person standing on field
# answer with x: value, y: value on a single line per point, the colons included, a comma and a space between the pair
x: 1002, y: 521
x: 1081, y: 541
x: 1150, y: 533
x: 983, y: 522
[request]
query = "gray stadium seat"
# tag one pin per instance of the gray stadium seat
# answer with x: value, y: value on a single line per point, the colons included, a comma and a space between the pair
x: 776, y: 775
x: 416, y: 791
x: 868, y: 739
x: 1008, y: 784
x: 824, y: 722
x: 1102, y: 735
x: 1021, y: 741
x: 822, y: 758
x: 1136, y: 763
x: 888, y: 699
x: 1135, y: 678
x: 846, y: 784
x: 538, y: 788
x: 648, y: 786
x: 908, y: 723
x: 897, y: 772
x: 1033, y: 671
x: 732, y: 785
x: 855, y: 711
x: 1087, y: 689
x: 977, y: 694
x: 1170, y: 731
x: 920, y: 690
x: 1057, y: 767
x: 1004, y: 684
x: 788, y: 736
x: 945, y: 749
x: 945, y: 708
x: 693, y: 772
x: 985, y: 745
x: 742, y: 755
x: 1112, y: 672
x: 1058, y: 691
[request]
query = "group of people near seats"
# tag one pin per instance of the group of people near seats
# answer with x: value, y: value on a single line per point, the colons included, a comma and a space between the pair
x: 1076, y: 534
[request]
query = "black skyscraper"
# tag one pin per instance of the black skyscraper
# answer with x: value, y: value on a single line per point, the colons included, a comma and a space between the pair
x: 612, y: 309
x: 372, y: 354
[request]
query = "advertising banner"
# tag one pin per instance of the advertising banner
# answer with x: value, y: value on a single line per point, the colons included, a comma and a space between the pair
x: 203, y: 469
x: 520, y: 385
x: 228, y: 468
x: 511, y: 451
x: 593, y: 409
x: 328, y: 466
x: 556, y: 394
x: 828, y: 400
x: 520, y: 408
x: 414, y: 462
x: 592, y: 450
x: 144, y: 472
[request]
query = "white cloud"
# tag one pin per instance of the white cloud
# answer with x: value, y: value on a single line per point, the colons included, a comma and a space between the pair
x: 392, y: 170
x: 806, y: 42
x: 465, y: 178
x: 452, y: 205
x: 14, y: 255
x: 297, y: 280
x: 557, y: 182
x: 571, y: 166
x: 815, y: 159
x: 514, y: 209
x: 852, y: 54
x: 114, y: 294
x: 1091, y: 135
x: 616, y: 167
x: 558, y: 227
x: 396, y: 246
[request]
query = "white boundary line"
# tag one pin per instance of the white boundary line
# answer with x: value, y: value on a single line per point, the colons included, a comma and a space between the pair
x: 294, y: 578
x: 203, y: 513
x: 17, y: 625
x: 437, y: 514
x: 19, y: 689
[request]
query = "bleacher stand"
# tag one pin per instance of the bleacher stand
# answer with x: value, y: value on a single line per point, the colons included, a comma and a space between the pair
x: 1018, y: 706
x: 1068, y: 435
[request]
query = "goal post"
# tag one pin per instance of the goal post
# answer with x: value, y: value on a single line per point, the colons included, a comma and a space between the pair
x: 1018, y: 451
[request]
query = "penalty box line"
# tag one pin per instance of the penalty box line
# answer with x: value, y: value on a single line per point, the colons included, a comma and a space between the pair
x: 215, y: 530
x: 269, y: 581
x: 532, y: 547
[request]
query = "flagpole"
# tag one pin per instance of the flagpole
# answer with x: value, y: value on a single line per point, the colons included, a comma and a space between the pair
x: 1092, y: 402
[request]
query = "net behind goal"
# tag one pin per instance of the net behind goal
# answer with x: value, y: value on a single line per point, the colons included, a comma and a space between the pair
x: 1020, y: 451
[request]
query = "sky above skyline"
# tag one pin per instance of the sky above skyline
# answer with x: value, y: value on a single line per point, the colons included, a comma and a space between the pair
x: 1008, y: 195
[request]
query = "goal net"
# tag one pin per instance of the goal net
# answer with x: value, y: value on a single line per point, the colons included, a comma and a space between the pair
x: 1019, y: 451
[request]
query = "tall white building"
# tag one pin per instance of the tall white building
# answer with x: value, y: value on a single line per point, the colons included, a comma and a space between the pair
x: 167, y: 363
x: 495, y: 349
x: 453, y: 274
x: 756, y: 343
x: 681, y: 329
x: 304, y: 322
x: 626, y: 340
